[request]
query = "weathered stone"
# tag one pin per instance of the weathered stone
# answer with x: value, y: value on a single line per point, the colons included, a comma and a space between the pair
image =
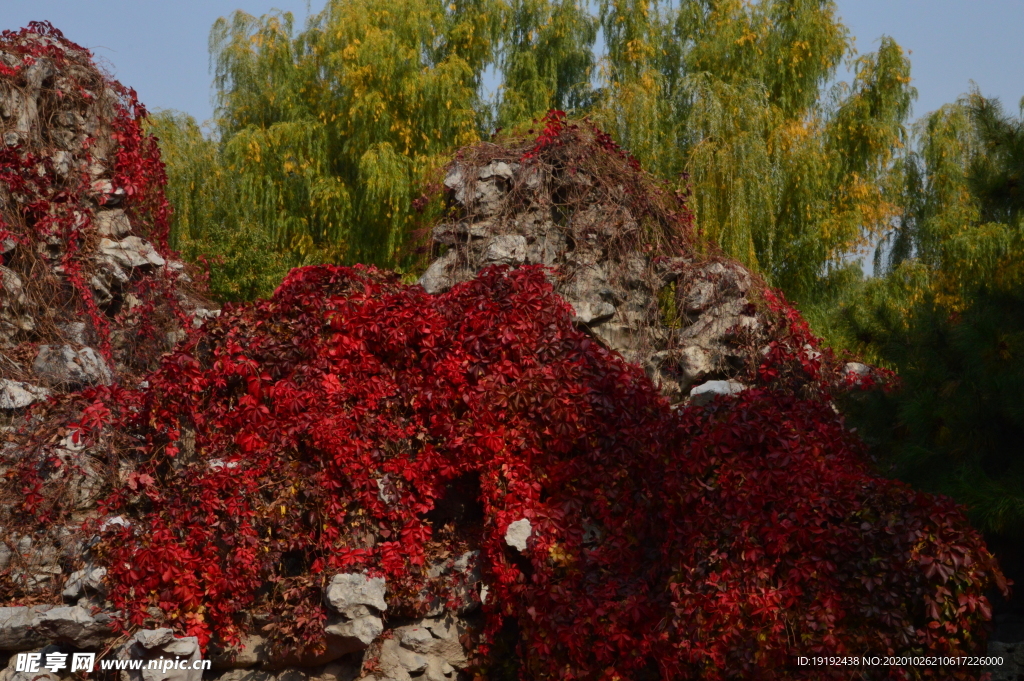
x: 1012, y: 655
x: 18, y: 395
x: 105, y: 194
x: 12, y: 286
x: 62, y: 365
x: 354, y: 589
x: 75, y: 626
x: 705, y: 392
x: 495, y: 169
x: 857, y: 369
x: 74, y: 332
x: 435, y: 638
x: 439, y: 276
x: 517, y: 533
x: 156, y: 644
x: 131, y: 252
x: 507, y: 249
x: 88, y: 580
x: 200, y: 315
x: 112, y: 223
x: 592, y: 312
x: 17, y: 627
x: 345, y: 637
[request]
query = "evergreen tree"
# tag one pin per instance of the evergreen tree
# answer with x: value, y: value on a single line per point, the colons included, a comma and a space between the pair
x: 949, y: 315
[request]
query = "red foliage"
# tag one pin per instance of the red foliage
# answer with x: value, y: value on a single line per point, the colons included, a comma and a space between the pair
x: 711, y: 542
x: 49, y: 208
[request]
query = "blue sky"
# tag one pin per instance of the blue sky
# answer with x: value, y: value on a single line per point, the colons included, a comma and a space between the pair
x: 159, y: 47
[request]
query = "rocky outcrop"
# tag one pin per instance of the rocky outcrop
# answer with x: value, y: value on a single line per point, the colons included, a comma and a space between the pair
x: 89, y: 294
x: 685, y: 319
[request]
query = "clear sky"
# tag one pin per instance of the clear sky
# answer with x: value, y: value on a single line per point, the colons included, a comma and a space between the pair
x: 159, y: 47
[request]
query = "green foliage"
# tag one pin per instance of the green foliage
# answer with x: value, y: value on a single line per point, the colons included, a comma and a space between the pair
x: 949, y: 315
x: 787, y: 176
x: 207, y: 222
x: 331, y: 133
x: 546, y: 59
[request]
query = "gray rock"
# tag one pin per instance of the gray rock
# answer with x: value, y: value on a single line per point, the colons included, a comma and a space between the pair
x: 460, y: 232
x: 200, y: 315
x: 74, y: 626
x: 592, y: 312
x: 439, y: 276
x: 359, y: 601
x: 349, y: 636
x: 398, y: 663
x: 517, y: 533
x: 43, y: 673
x: 18, y: 395
x: 156, y: 644
x: 7, y: 245
x: 17, y: 627
x: 12, y: 286
x: 857, y: 369
x: 507, y: 249
x: 61, y: 365
x: 435, y: 638
x: 105, y: 194
x: 705, y: 392
x: 74, y: 332
x: 454, y: 179
x: 495, y: 169
x: 112, y: 223
x: 355, y: 589
x: 131, y: 252
x: 86, y: 581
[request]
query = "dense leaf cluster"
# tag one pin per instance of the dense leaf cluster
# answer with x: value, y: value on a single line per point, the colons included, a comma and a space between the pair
x: 315, y: 433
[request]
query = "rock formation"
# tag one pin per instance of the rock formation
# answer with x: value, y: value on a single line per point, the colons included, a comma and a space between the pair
x: 361, y: 480
x: 632, y: 271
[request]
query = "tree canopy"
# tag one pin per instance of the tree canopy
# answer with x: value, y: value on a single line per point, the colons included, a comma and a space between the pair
x: 329, y: 135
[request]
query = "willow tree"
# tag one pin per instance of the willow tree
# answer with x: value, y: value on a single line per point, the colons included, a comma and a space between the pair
x: 948, y: 315
x: 207, y: 220
x: 787, y: 174
x: 545, y: 58
x: 330, y: 130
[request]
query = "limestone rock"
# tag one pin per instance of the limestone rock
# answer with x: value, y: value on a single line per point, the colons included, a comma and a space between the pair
x: 12, y: 286
x: 17, y: 627
x: 112, y: 223
x: 74, y: 626
x: 1012, y: 655
x: 517, y: 533
x: 18, y: 395
x: 85, y: 582
x: 705, y: 392
x: 155, y: 644
x: 439, y: 277
x: 507, y: 249
x: 132, y: 252
x: 592, y: 312
x: 251, y: 652
x: 62, y: 365
x: 347, y: 592
x: 359, y: 602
